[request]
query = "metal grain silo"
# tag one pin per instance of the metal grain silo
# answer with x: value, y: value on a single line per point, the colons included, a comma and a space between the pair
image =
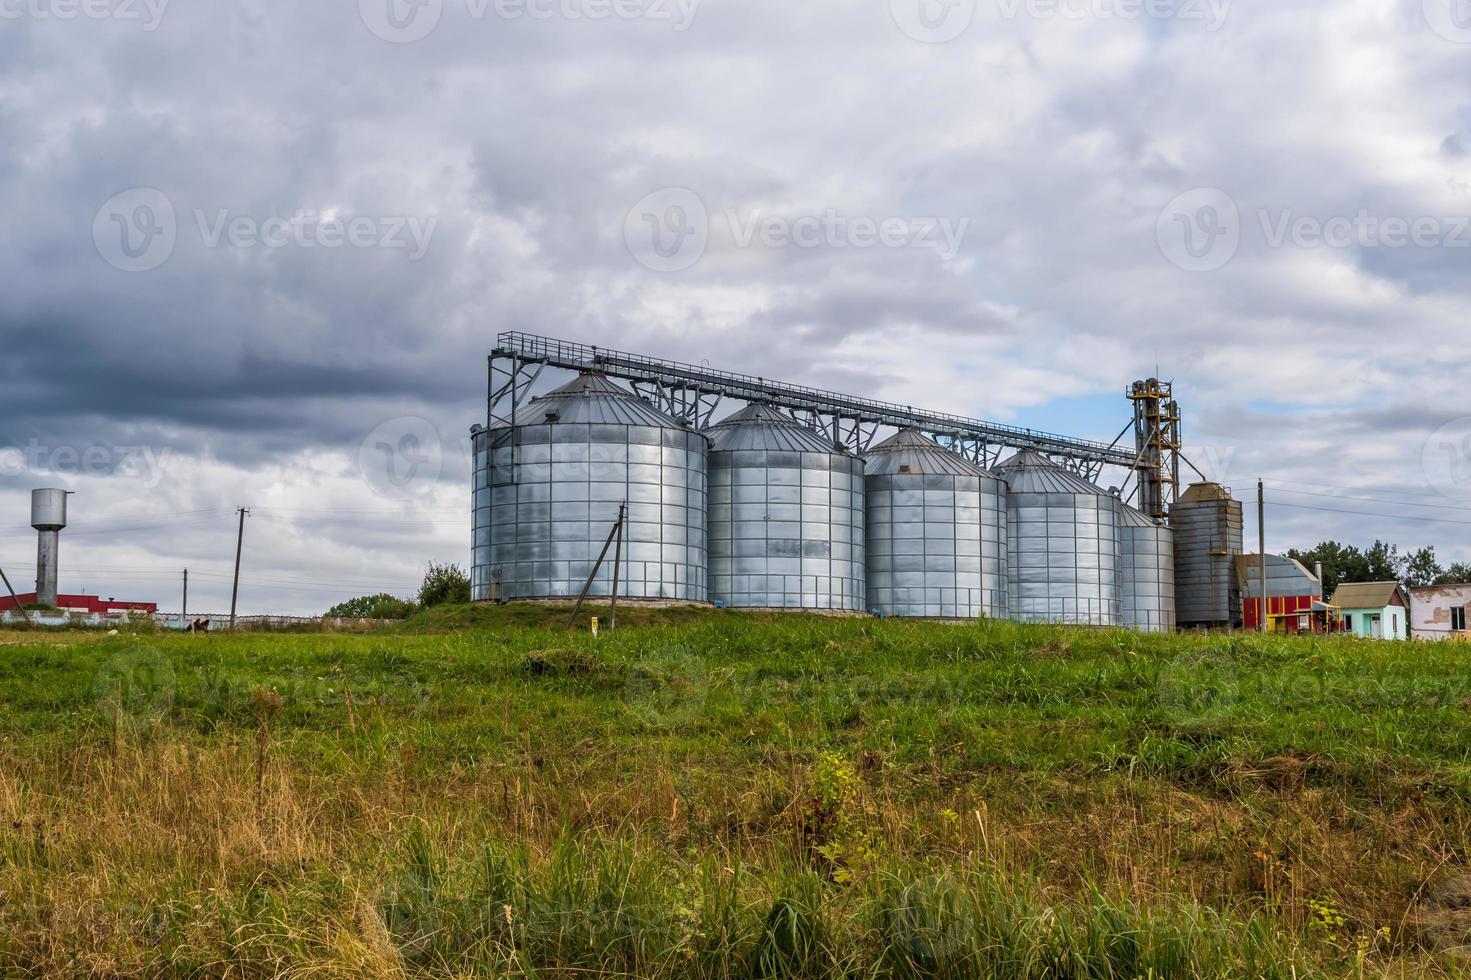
x: 786, y: 515
x: 1207, y: 523
x: 1064, y: 544
x: 1146, y: 573
x: 936, y: 532
x: 549, y: 486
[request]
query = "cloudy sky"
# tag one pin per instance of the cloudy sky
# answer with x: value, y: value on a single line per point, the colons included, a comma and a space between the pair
x: 247, y: 243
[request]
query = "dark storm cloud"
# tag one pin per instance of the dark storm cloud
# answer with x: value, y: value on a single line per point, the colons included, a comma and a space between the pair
x: 527, y: 142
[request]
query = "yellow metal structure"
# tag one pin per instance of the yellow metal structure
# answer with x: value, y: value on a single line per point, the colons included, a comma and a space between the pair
x: 1157, y: 436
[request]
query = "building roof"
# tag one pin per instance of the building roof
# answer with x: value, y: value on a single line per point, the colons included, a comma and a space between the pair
x: 763, y: 427
x: 1367, y: 595
x: 1132, y: 517
x: 1204, y: 491
x: 1284, y: 577
x: 909, y: 451
x: 1031, y: 472
x: 592, y: 398
x: 67, y: 602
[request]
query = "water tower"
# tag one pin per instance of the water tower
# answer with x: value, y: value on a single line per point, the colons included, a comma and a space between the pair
x: 48, y: 516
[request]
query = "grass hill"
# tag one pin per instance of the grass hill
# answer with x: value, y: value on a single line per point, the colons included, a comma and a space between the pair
x: 480, y: 792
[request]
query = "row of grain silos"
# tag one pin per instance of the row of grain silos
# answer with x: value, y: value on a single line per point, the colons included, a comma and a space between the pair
x: 761, y: 511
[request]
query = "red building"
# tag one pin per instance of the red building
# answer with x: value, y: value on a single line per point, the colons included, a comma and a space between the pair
x: 1295, y: 601
x: 87, y: 605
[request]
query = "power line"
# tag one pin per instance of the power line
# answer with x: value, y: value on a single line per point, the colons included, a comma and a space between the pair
x: 1377, y: 500
x: 1368, y: 513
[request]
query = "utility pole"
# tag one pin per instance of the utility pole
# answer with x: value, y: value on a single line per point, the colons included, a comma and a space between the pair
x: 1261, y: 534
x: 11, y: 589
x: 239, y: 543
x: 185, y: 614
x: 617, y: 563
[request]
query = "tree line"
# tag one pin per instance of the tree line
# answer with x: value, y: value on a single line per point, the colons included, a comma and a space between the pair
x: 1381, y: 562
x: 442, y: 585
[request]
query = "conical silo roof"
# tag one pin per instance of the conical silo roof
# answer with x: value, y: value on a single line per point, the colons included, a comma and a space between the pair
x: 1031, y: 472
x: 909, y: 451
x: 592, y: 398
x: 1133, y: 517
x: 764, y: 427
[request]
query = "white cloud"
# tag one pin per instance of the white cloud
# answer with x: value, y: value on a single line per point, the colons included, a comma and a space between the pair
x: 1058, y: 140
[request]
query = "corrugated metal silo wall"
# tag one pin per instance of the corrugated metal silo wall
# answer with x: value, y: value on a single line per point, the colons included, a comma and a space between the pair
x: 1064, y: 558
x: 1208, y: 534
x: 547, y: 495
x: 937, y: 546
x: 787, y: 530
x: 1147, y: 578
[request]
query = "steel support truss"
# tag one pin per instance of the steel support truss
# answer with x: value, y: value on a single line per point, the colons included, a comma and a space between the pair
x: 694, y: 394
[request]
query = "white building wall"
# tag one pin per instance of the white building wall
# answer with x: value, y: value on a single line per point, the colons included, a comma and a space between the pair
x: 1430, y: 611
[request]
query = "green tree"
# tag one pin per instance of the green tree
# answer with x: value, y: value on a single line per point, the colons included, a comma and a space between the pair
x: 444, y: 585
x: 1340, y: 563
x: 1383, y: 563
x: 1458, y: 574
x: 1422, y: 569
x: 382, y: 606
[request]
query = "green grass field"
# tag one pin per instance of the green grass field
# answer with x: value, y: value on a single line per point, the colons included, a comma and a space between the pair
x: 482, y: 793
